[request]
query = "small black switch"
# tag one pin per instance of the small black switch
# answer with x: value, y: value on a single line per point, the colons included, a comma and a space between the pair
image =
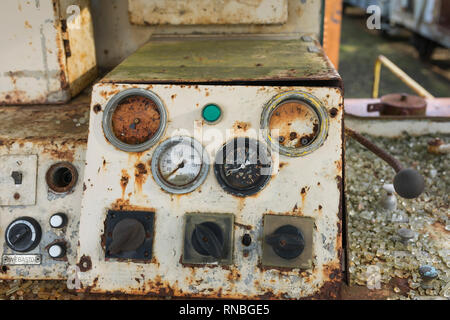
x: 17, y: 176
x: 287, y: 242
x: 246, y: 240
x: 23, y: 234
x: 207, y: 239
x: 129, y: 235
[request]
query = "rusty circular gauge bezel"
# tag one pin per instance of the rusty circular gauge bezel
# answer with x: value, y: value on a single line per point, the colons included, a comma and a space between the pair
x: 218, y: 168
x: 198, y: 180
x: 303, y: 97
x: 53, y: 170
x: 111, y: 107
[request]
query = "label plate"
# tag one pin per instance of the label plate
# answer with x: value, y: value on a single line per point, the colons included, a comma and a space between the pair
x: 21, y: 259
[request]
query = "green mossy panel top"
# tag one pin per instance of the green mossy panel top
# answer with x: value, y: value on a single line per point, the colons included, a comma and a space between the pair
x: 222, y: 61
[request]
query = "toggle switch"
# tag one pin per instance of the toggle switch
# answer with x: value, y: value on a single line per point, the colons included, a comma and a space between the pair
x: 208, y: 238
x: 17, y: 176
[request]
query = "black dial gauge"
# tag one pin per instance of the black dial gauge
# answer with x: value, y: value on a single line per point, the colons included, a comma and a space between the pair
x: 23, y: 234
x: 243, y: 166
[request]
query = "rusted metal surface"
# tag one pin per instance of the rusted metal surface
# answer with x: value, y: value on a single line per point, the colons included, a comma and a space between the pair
x: 52, y: 134
x: 61, y: 177
x: 36, y: 70
x: 115, y: 186
x: 209, y: 12
x: 399, y: 104
x: 437, y: 108
x: 78, y: 38
x: 226, y: 61
x: 112, y: 47
x: 135, y: 120
x: 436, y: 119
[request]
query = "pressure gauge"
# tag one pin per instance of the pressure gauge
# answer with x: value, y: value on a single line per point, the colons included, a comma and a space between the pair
x: 296, y: 123
x: 134, y: 120
x: 243, y: 166
x: 180, y: 164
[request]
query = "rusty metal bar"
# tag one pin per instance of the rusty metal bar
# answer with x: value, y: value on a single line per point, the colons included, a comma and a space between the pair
x: 382, y: 60
x: 394, y: 163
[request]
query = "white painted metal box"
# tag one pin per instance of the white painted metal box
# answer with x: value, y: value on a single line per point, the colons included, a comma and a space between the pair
x: 215, y: 169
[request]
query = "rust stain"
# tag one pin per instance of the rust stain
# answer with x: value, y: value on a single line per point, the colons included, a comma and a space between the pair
x: 135, y: 120
x: 140, y: 175
x: 124, y: 181
x: 241, y: 126
x: 85, y: 263
x: 291, y: 117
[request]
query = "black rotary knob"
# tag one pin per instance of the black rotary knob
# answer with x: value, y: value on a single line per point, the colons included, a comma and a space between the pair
x: 287, y: 242
x: 128, y: 235
x: 23, y: 234
x: 207, y: 239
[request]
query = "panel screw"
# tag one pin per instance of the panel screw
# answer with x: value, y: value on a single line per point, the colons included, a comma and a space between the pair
x: 16, y: 196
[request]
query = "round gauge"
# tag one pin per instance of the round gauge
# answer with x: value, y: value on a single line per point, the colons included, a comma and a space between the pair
x: 243, y: 166
x: 296, y: 123
x: 23, y: 234
x: 180, y: 164
x: 134, y: 120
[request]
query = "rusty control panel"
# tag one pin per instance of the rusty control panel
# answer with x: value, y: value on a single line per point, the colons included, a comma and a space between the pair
x: 41, y: 178
x: 215, y: 169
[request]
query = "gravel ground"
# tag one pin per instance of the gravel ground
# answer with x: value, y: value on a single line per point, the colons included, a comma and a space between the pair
x: 376, y: 254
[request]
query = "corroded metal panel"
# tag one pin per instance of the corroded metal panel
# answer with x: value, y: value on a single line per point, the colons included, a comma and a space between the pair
x: 202, y: 61
x: 184, y: 12
x: 48, y: 136
x: 309, y: 186
x: 37, y: 67
x: 114, y: 47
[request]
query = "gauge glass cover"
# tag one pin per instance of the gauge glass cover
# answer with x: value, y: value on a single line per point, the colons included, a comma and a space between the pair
x: 180, y: 164
x: 296, y: 123
x: 134, y: 120
x: 243, y: 166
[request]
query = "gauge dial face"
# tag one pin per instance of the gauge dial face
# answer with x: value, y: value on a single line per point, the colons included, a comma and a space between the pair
x: 296, y: 123
x: 135, y: 120
x: 243, y: 166
x: 180, y: 165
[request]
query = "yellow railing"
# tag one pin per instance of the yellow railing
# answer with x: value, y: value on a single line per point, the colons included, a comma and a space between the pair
x: 382, y: 60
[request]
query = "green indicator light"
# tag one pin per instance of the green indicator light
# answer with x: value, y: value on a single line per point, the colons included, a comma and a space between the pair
x: 211, y: 113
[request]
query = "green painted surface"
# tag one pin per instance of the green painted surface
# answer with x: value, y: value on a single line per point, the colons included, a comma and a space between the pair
x: 223, y: 61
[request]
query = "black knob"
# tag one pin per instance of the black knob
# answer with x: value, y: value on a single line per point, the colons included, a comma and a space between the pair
x: 408, y: 183
x: 128, y: 235
x: 287, y: 242
x: 246, y: 240
x: 23, y: 234
x: 207, y: 239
